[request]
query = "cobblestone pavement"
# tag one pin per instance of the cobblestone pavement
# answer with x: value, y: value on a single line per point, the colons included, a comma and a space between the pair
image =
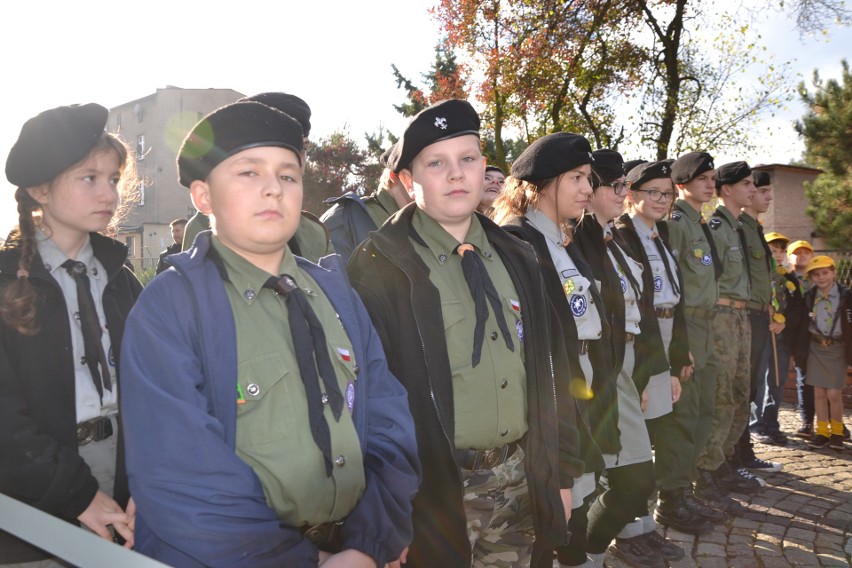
x: 803, y: 517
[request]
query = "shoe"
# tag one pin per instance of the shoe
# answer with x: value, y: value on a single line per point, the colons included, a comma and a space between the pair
x: 762, y: 438
x: 667, y: 549
x: 818, y: 441
x: 835, y: 442
x: 746, y: 474
x: 706, y: 487
x: 727, y: 479
x: 635, y: 552
x: 672, y: 512
x: 763, y: 466
x: 805, y: 431
x: 779, y: 439
x: 845, y: 432
x: 697, y: 507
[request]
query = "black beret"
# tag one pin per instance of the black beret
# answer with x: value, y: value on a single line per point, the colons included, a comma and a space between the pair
x: 731, y: 173
x: 630, y: 164
x: 762, y: 179
x: 53, y: 141
x: 607, y: 167
x: 441, y: 121
x: 648, y: 171
x: 288, y: 104
x: 388, y: 156
x: 493, y: 169
x: 552, y: 155
x: 690, y: 166
x: 231, y: 129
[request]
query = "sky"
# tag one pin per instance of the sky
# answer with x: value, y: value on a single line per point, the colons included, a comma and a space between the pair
x: 335, y: 54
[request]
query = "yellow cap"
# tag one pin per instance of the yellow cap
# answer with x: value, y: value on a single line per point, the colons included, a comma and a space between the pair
x: 820, y: 261
x: 773, y: 236
x: 791, y: 248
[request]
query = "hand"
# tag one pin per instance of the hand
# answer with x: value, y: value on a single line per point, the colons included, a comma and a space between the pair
x: 403, y: 558
x: 349, y: 558
x: 567, y: 500
x: 676, y: 390
x: 131, y: 512
x: 104, y: 511
x: 776, y: 327
x: 686, y: 372
x: 644, y: 404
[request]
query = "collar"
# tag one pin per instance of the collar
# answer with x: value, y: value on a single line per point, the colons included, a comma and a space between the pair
x: 643, y: 230
x: 725, y: 213
x: 749, y: 220
x: 545, y: 225
x: 53, y: 257
x: 688, y: 210
x: 441, y: 244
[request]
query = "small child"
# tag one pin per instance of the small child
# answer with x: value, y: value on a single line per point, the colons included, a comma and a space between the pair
x: 825, y: 349
x: 264, y: 422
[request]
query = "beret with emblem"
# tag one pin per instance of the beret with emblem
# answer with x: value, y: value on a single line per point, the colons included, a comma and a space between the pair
x: 53, y: 141
x: 607, y: 167
x: 630, y: 164
x: 648, y: 171
x: 288, y: 104
x: 552, y: 155
x: 731, y: 173
x: 762, y: 179
x: 232, y: 129
x: 691, y: 165
x: 441, y: 121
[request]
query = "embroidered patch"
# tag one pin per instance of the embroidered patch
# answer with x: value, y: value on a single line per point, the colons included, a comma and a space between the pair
x: 350, y: 396
x: 568, y: 286
x: 111, y: 357
x: 578, y: 305
x: 658, y: 284
x: 676, y: 215
x: 344, y: 354
x: 441, y: 122
x: 623, y: 282
x: 707, y: 259
x: 715, y: 223
x: 516, y: 305
x: 519, y: 327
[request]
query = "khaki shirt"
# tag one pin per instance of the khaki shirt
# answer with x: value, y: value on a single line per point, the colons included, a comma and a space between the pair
x: 312, y: 240
x: 691, y: 248
x: 824, y: 313
x: 759, y: 270
x: 273, y: 431
x: 734, y: 283
x: 380, y: 206
x: 489, y: 399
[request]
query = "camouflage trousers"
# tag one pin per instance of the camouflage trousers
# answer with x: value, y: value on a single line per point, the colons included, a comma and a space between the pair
x: 732, y: 338
x: 499, y: 515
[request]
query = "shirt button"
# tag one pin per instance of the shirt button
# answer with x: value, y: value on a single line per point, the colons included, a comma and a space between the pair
x: 487, y: 254
x: 249, y: 294
x: 77, y: 316
x: 253, y: 389
x: 47, y: 267
x: 340, y: 461
x: 504, y: 433
x: 324, y: 398
x: 356, y: 369
x: 504, y: 384
x: 442, y: 258
x: 83, y: 360
x: 94, y: 271
x: 493, y: 336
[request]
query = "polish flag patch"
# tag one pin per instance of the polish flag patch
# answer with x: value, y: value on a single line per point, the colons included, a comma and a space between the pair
x: 344, y: 354
x: 516, y: 305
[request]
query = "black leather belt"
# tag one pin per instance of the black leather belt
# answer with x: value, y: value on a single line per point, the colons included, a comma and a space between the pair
x: 324, y: 535
x: 825, y: 341
x: 629, y: 337
x: 664, y: 313
x: 94, y: 430
x: 583, y: 346
x: 485, y: 459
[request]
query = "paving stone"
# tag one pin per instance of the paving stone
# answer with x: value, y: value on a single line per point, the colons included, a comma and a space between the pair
x: 834, y: 559
x: 800, y: 534
x: 799, y: 557
x: 710, y: 549
x: 710, y: 562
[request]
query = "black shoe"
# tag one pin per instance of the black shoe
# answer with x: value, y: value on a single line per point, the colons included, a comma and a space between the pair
x: 706, y: 487
x: 818, y: 441
x: 727, y: 479
x: 835, y: 442
x: 805, y: 431
x: 697, y: 507
x: 672, y: 512
x: 725, y: 504
x: 845, y: 432
x: 635, y: 552
x: 667, y: 549
x: 779, y: 439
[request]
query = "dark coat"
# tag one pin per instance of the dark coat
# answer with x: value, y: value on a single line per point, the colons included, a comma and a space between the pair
x: 802, y: 346
x: 38, y: 425
x: 629, y: 239
x: 394, y: 283
x: 597, y: 417
x: 348, y: 223
x: 162, y: 263
x: 650, y: 355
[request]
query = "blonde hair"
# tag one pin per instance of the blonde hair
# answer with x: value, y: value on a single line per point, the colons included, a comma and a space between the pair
x: 519, y: 195
x: 18, y: 299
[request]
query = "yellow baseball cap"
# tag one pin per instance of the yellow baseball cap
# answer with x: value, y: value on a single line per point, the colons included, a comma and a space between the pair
x: 773, y: 236
x: 820, y: 261
x: 791, y: 248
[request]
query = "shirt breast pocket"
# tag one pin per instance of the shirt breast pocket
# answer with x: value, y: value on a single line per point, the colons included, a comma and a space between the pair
x: 735, y: 254
x: 459, y: 344
x: 265, y: 410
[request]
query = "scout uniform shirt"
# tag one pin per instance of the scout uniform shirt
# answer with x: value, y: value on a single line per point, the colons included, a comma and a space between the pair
x: 490, y: 398
x: 734, y: 283
x: 632, y: 316
x: 664, y: 293
x: 825, y: 314
x: 759, y: 261
x: 380, y: 206
x: 691, y: 248
x: 273, y: 431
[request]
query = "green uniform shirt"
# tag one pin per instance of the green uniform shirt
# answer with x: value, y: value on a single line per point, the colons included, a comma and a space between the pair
x: 490, y: 399
x: 380, y: 206
x: 312, y: 240
x: 199, y: 222
x: 759, y: 270
x: 691, y: 248
x: 273, y: 432
x: 734, y: 283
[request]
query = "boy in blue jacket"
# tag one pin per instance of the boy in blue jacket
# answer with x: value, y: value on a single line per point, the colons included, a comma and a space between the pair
x: 263, y: 427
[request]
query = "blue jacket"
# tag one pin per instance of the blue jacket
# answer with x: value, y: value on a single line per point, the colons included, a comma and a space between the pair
x: 199, y: 504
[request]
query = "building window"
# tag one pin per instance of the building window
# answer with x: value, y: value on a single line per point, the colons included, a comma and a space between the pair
x: 140, y: 147
x: 142, y: 187
x: 131, y: 246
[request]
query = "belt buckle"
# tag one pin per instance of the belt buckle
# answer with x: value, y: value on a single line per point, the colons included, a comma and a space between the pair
x: 85, y: 433
x: 492, y: 457
x: 314, y: 534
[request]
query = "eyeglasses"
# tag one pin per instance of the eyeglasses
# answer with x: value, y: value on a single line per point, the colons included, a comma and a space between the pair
x: 657, y: 195
x: 620, y: 187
